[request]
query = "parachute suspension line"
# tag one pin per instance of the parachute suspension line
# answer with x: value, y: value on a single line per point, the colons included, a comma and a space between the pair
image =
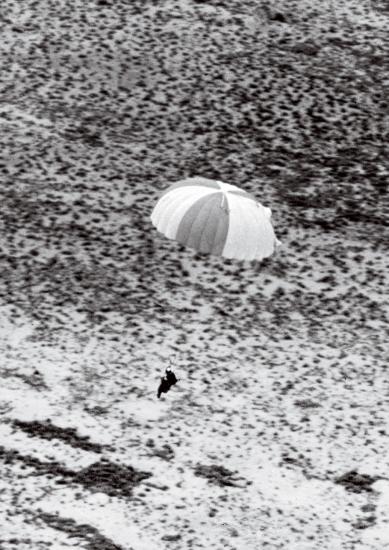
x: 177, y: 357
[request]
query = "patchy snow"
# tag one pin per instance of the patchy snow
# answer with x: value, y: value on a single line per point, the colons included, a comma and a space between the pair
x: 282, y: 366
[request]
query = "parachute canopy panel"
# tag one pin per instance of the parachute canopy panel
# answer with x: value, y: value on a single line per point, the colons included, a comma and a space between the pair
x: 215, y: 218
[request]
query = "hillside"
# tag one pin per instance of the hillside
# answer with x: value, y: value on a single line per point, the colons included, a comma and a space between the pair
x: 276, y: 435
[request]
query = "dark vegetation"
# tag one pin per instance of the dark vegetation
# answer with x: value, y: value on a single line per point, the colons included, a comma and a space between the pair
x: 89, y: 537
x: 219, y: 475
x: 47, y: 430
x: 355, y: 482
x: 103, y: 476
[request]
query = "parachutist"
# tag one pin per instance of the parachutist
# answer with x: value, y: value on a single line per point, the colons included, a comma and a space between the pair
x: 167, y: 381
x: 171, y: 377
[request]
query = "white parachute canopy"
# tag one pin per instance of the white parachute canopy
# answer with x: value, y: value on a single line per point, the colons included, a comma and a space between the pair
x: 215, y: 218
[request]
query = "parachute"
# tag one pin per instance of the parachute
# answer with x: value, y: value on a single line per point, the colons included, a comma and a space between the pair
x: 215, y: 218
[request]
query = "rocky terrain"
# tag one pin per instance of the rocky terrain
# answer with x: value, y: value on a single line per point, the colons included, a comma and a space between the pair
x: 276, y: 435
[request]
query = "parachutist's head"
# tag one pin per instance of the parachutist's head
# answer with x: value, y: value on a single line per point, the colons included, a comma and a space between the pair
x: 168, y: 369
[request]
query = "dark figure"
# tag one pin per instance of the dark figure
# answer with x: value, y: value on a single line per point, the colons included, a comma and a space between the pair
x: 167, y: 382
x: 170, y: 376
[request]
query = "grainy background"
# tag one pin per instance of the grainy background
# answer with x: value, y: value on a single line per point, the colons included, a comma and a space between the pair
x: 277, y: 434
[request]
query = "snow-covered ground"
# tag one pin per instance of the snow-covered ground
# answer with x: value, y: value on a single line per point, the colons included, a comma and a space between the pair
x: 276, y: 435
